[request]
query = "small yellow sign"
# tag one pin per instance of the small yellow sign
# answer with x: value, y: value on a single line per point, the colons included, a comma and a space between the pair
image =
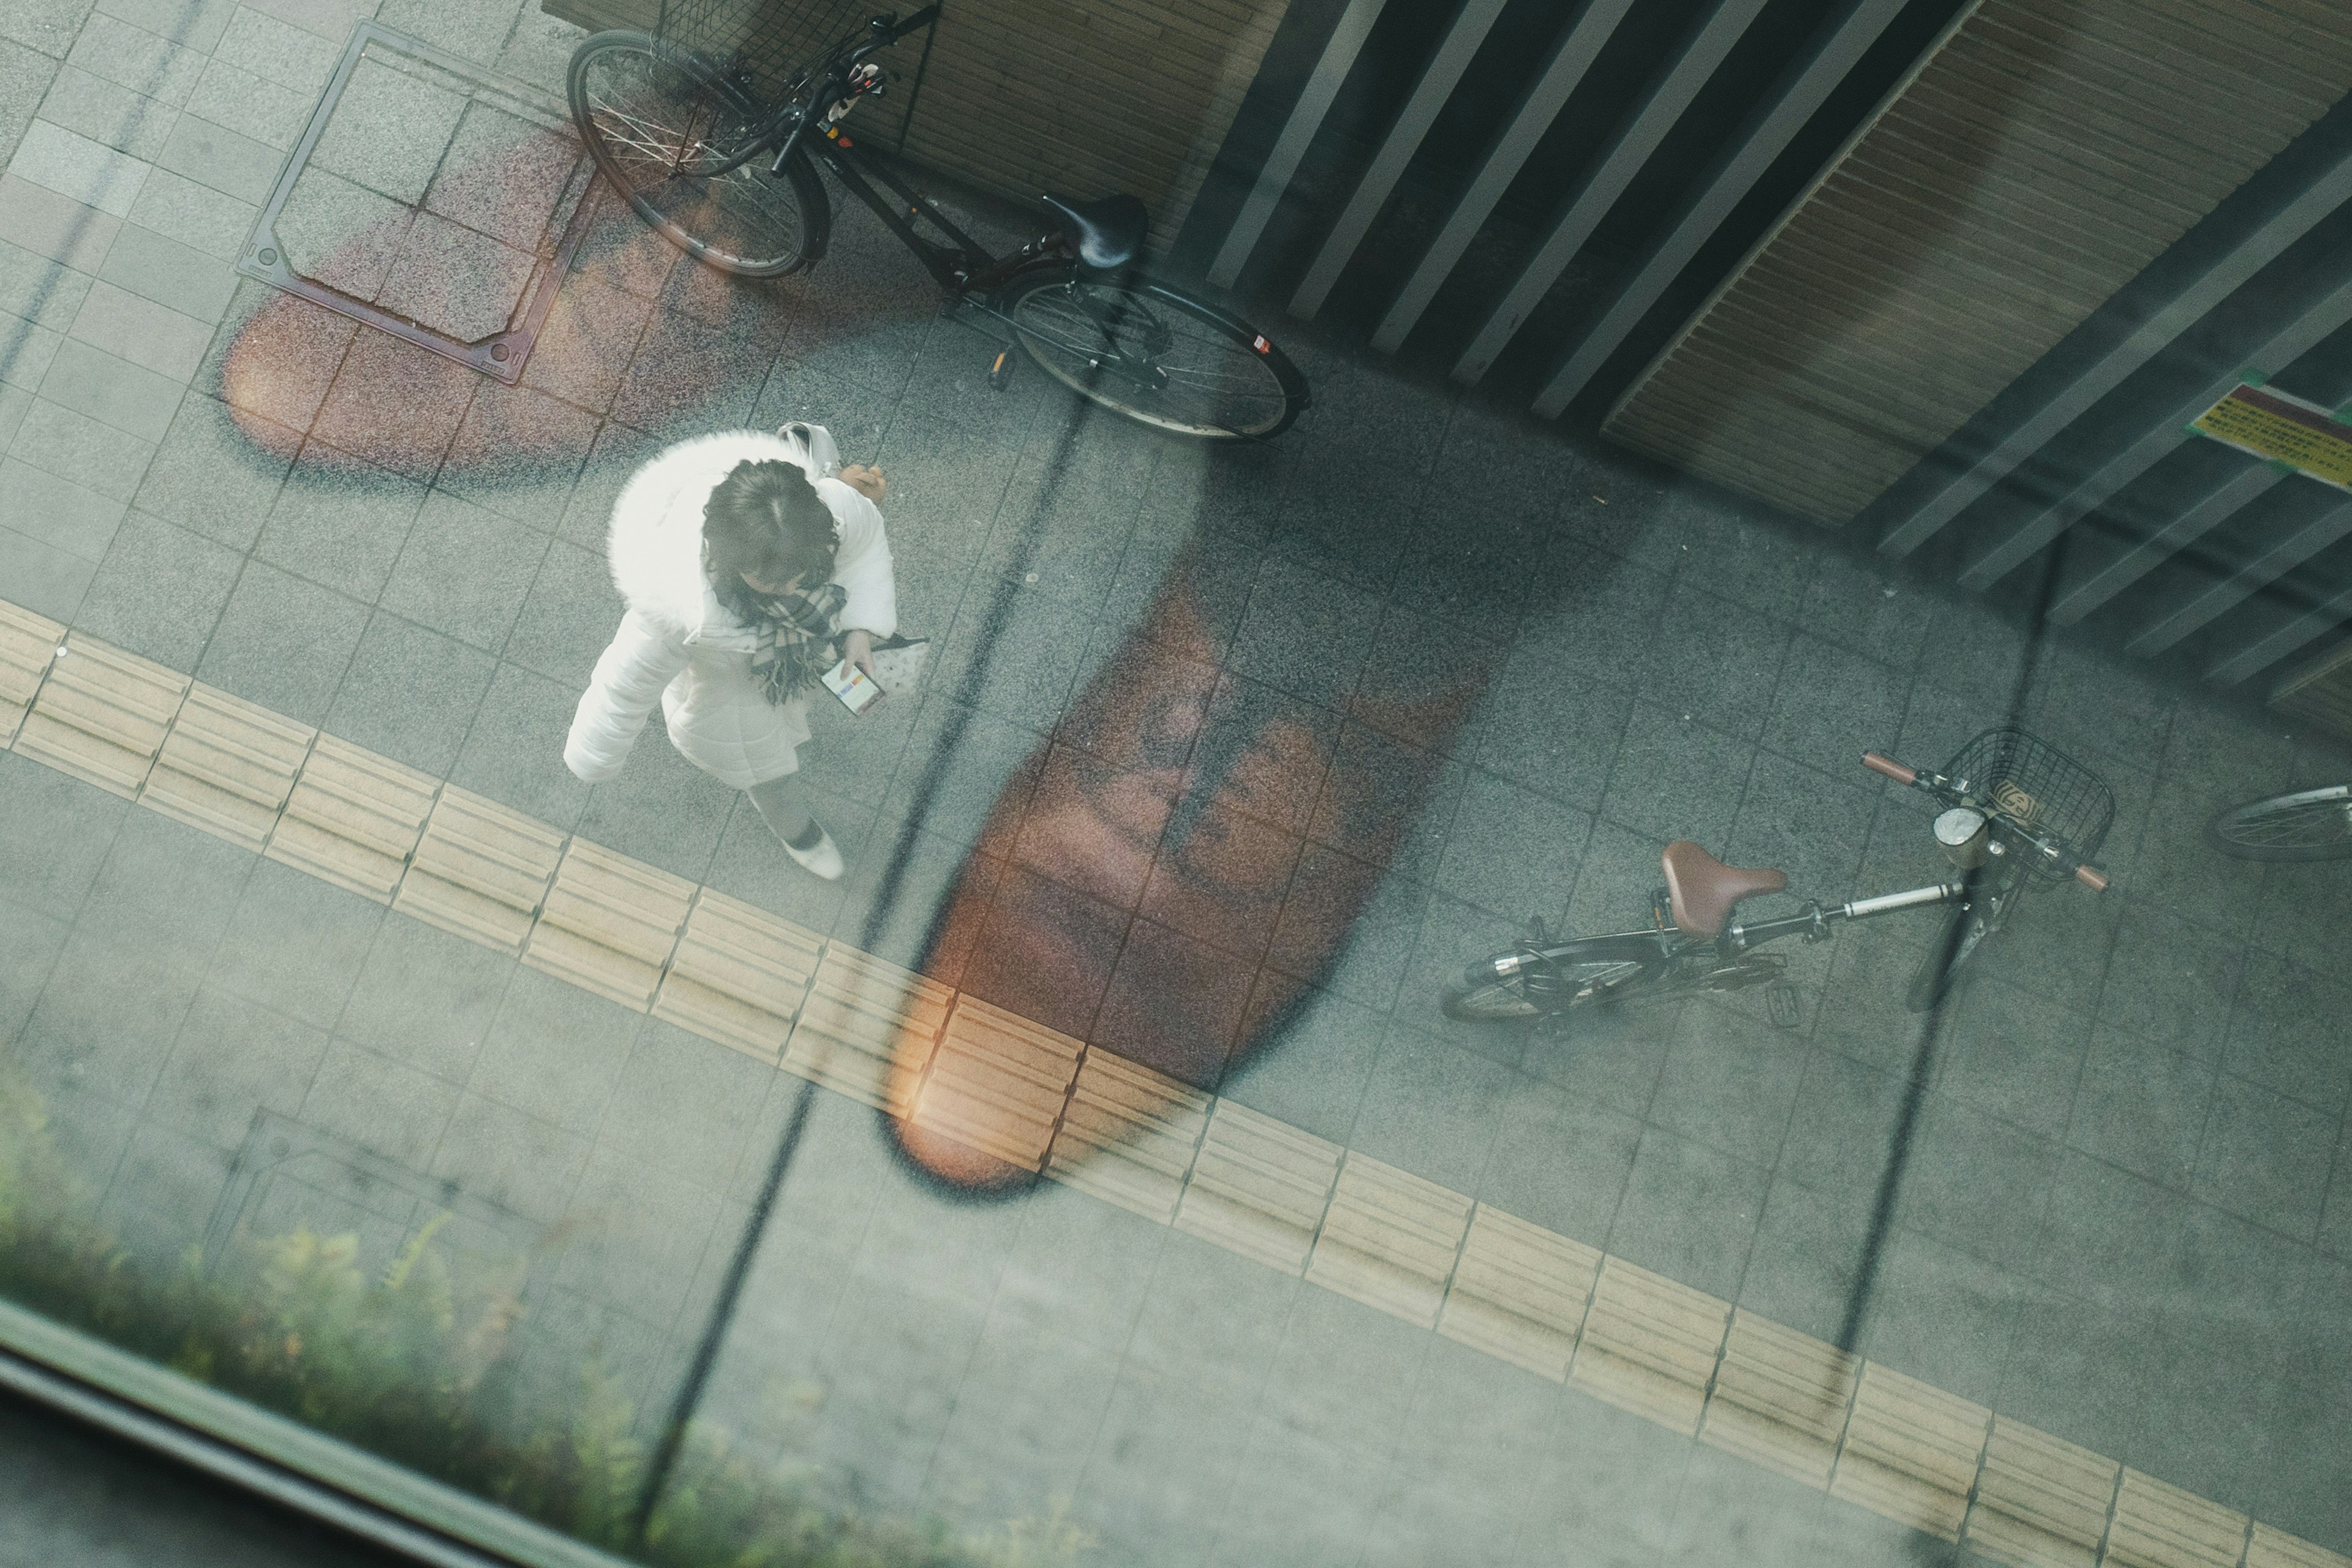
x: 2303, y: 435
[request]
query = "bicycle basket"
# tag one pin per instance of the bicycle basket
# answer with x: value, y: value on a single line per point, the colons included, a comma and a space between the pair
x: 770, y: 42
x: 2041, y: 786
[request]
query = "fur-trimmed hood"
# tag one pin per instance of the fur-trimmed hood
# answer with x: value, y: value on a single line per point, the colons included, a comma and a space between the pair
x: 654, y: 548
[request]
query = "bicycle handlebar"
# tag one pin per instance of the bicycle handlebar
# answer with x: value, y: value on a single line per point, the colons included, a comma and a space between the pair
x: 1936, y: 785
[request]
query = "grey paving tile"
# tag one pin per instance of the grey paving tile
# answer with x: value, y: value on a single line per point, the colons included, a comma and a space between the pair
x: 590, y: 336
x: 1839, y: 1142
x: 618, y: 452
x: 1689, y: 1211
x: 56, y: 512
x: 30, y: 941
x: 686, y: 377
x: 555, y: 1052
x: 77, y: 167
x: 1635, y: 1470
x: 163, y: 1194
x: 463, y: 572
x: 410, y: 693
x: 1454, y: 936
x: 330, y: 19
x: 1730, y: 1082
x: 662, y: 809
x: 2085, y: 1377
x: 39, y: 290
x: 43, y: 579
x: 272, y: 114
x: 160, y: 591
x: 2285, y: 1032
x: 76, y: 447
x: 2231, y: 1385
x: 1976, y: 1183
x: 1432, y: 1109
x: 456, y: 282
x: 569, y: 614
x: 512, y: 1160
x: 295, y: 944
x: 1732, y: 1512
x: 1510, y: 850
x: 1943, y: 1316
x: 502, y: 175
x: 379, y: 1105
x: 426, y: 998
x: 273, y: 357
x: 13, y: 402
x: 26, y: 351
x: 2168, y: 982
x: 389, y: 131
x: 2090, y: 703
x: 2141, y: 1106
x: 278, y: 51
x: 198, y: 25
x: 38, y: 219
x: 1305, y: 633
x: 110, y: 115
x: 1851, y: 601
x: 25, y: 77
x: 55, y: 833
x: 1676, y: 778
x: 340, y: 234
x: 1807, y: 1258
x: 135, y: 58
x: 1831, y: 705
x: 130, y: 397
x: 2266, y: 1158
x: 514, y: 752
x: 1716, y: 662
x: 193, y: 284
x: 2335, y: 1219
x: 517, y: 453
x: 682, y: 1106
x: 1560, y: 1162
x: 340, y: 521
x: 167, y: 886
x: 1014, y: 653
x: 142, y: 333
x: 1811, y: 825
x: 2011, y: 1055
x: 1558, y: 741
x: 283, y: 643
x: 219, y: 158
x: 2116, y: 1240
x: 395, y: 405
x: 210, y: 476
x: 232, y: 1059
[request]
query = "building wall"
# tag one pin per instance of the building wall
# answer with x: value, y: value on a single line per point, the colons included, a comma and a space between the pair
x: 1077, y: 97
x: 2040, y: 155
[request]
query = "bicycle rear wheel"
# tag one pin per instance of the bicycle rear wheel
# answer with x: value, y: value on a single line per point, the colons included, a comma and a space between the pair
x: 677, y: 142
x: 1599, y: 970
x: 1144, y: 350
x: 2309, y: 825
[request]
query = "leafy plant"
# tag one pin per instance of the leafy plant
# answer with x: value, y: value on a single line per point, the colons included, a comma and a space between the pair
x: 422, y: 1366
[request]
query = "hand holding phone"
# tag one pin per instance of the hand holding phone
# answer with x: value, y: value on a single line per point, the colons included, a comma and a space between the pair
x: 858, y: 691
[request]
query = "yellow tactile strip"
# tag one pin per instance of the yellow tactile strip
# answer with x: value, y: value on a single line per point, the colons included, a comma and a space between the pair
x: 827, y: 1012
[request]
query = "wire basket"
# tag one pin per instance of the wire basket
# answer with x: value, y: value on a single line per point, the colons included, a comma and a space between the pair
x: 2039, y: 786
x: 767, y: 44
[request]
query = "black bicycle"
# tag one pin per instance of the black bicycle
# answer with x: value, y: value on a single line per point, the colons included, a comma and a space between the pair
x: 2016, y: 810
x: 716, y: 144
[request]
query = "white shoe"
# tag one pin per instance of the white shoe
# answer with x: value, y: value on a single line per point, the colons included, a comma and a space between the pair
x: 823, y: 859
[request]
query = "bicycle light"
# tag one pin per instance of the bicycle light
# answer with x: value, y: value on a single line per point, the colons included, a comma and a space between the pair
x: 1963, y: 832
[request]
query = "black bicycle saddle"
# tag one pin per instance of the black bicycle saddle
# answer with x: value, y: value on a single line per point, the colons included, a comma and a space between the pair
x: 1106, y: 231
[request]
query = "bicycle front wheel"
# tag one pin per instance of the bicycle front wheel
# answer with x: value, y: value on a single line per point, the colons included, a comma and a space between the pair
x: 678, y: 143
x: 2309, y: 825
x: 1144, y: 350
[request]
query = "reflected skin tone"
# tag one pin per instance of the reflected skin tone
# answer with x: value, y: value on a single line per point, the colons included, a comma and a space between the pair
x: 1126, y: 819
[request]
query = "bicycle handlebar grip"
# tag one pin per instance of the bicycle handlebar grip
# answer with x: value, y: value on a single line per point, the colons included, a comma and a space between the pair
x: 1890, y: 767
x: 2092, y: 877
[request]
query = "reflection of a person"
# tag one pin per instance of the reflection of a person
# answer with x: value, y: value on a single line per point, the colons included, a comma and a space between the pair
x: 746, y: 579
x: 1141, y: 818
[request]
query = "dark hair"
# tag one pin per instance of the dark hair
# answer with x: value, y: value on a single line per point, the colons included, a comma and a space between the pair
x: 765, y: 518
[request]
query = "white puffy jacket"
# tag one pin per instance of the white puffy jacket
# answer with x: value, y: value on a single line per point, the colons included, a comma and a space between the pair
x: 680, y: 646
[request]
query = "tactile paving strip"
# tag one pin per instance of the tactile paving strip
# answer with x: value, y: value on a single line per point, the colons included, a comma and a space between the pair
x: 1519, y: 1292
x: 1911, y: 1452
x: 2042, y: 1502
x: 226, y: 766
x: 101, y: 715
x: 738, y: 975
x: 1389, y: 1240
x: 28, y: 643
x: 997, y: 1083
x: 480, y: 870
x: 741, y: 977
x: 1650, y: 1345
x: 1259, y: 1187
x: 1780, y: 1399
x: 1129, y: 1135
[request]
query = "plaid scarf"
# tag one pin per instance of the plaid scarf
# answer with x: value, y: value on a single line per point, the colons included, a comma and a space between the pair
x: 795, y: 639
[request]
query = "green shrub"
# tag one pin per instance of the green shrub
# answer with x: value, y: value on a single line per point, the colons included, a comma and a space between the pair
x: 423, y: 1367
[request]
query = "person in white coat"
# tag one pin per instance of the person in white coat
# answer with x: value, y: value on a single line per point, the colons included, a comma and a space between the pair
x: 745, y: 575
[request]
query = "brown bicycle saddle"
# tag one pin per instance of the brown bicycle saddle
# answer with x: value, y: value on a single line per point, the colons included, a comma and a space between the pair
x: 1702, y: 889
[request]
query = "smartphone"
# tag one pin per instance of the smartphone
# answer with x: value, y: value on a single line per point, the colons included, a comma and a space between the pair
x: 855, y: 689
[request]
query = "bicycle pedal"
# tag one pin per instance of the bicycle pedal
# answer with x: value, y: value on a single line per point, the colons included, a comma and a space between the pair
x: 1782, y: 1005
x: 1000, y: 374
